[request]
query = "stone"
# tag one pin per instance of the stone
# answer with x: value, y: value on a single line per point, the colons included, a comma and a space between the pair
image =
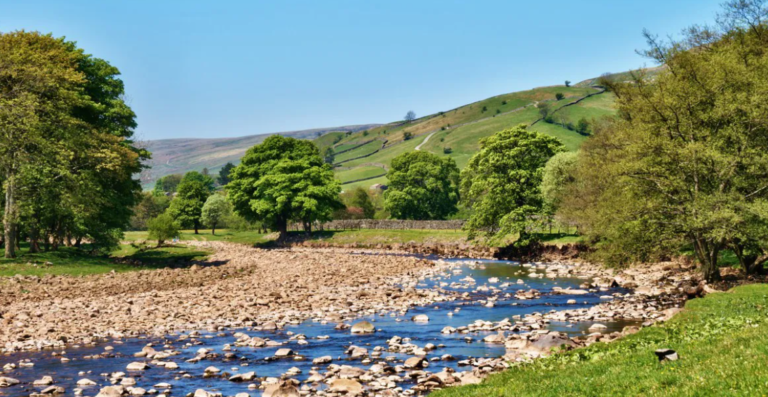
x: 322, y: 360
x: 86, y: 382
x: 111, y: 391
x: 420, y: 318
x: 53, y: 390
x: 244, y: 377
x: 666, y: 355
x: 285, y: 352
x: 137, y: 366
x: 7, y: 382
x: 499, y: 338
x: 597, y: 327
x: 348, y: 386
x: 45, y: 381
x: 283, y: 389
x: 415, y: 362
x: 363, y: 327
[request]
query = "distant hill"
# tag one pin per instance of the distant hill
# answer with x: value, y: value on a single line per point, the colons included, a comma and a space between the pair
x: 170, y: 156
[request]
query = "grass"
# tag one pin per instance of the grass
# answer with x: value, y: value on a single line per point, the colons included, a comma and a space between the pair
x: 241, y: 237
x: 359, y: 173
x: 366, y: 149
x: 74, y: 262
x: 721, y: 341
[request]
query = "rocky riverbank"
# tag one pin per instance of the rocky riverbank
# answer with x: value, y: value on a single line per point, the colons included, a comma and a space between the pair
x: 256, y: 290
x: 238, y: 286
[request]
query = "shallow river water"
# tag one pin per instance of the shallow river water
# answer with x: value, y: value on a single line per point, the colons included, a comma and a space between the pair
x: 258, y: 359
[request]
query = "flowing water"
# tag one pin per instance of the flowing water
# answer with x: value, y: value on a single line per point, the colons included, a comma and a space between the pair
x: 259, y: 359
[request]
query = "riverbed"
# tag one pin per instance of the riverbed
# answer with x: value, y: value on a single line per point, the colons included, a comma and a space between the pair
x: 481, y: 282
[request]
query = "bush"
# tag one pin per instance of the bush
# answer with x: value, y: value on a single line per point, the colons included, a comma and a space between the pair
x: 559, y: 96
x: 485, y: 109
x: 162, y: 228
x: 447, y: 150
x: 365, y: 133
x: 407, y: 135
x: 504, y: 102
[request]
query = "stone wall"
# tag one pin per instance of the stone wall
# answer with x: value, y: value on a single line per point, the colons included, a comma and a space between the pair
x: 386, y: 224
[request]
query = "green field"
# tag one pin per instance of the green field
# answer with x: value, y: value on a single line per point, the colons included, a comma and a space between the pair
x: 359, y: 173
x: 457, y: 133
x: 721, y: 341
x: 366, y: 149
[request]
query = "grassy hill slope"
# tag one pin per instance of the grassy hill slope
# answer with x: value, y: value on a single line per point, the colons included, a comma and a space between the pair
x: 170, y: 156
x: 457, y: 133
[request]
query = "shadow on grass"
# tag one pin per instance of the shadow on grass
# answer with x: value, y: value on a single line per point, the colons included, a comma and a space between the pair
x: 167, y: 255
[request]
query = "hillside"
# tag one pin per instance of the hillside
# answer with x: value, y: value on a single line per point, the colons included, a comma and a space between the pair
x: 170, y: 156
x: 363, y: 157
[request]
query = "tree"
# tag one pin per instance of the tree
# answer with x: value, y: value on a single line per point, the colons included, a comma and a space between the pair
x: 215, y: 210
x: 187, y: 207
x: 559, y: 96
x: 167, y: 184
x: 583, y: 126
x: 410, y: 116
x: 281, y: 180
x: 422, y: 186
x: 66, y: 155
x: 162, y: 228
x: 329, y: 156
x: 567, y: 83
x: 149, y: 207
x: 544, y: 109
x: 685, y: 164
x: 407, y: 135
x: 361, y: 199
x: 502, y: 182
x: 223, y: 178
x: 558, y: 175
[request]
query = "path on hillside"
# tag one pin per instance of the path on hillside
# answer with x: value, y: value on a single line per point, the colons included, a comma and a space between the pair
x: 426, y: 139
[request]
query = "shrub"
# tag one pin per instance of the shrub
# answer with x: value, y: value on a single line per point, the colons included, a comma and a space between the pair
x: 162, y: 228
x: 407, y: 135
x: 485, y: 109
x: 559, y: 96
x: 447, y: 150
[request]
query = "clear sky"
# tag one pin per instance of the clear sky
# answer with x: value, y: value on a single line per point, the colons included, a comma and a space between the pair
x: 232, y: 68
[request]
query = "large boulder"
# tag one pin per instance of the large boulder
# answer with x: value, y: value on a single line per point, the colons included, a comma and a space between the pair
x: 111, y: 391
x: 288, y: 388
x: 416, y: 362
x: 7, y: 382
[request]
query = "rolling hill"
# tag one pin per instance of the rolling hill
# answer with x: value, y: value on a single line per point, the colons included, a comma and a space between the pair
x: 363, y: 152
x: 170, y: 156
x: 363, y: 157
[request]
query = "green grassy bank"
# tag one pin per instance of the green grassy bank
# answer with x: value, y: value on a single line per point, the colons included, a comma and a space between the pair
x: 722, y: 341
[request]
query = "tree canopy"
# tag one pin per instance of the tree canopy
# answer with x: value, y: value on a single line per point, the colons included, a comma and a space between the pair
x: 215, y: 210
x: 685, y: 164
x: 501, y: 183
x: 66, y: 155
x: 422, y: 186
x: 191, y: 194
x: 284, y: 179
x: 223, y: 178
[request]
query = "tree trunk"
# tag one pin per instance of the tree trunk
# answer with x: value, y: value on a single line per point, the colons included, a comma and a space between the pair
x: 78, y: 242
x: 707, y: 253
x: 213, y: 229
x: 282, y: 228
x: 196, y: 226
x: 9, y: 218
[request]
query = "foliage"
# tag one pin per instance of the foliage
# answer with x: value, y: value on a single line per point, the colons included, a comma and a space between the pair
x: 329, y: 155
x: 162, y: 228
x: 149, y: 207
x: 281, y: 180
x: 215, y: 211
x: 686, y: 161
x: 407, y: 135
x: 167, y: 184
x: 361, y: 199
x: 583, y: 126
x: 558, y: 175
x: 66, y: 155
x: 223, y: 178
x: 410, y: 116
x: 567, y: 83
x: 544, y: 109
x: 501, y: 183
x: 187, y: 207
x: 559, y: 96
x: 422, y: 186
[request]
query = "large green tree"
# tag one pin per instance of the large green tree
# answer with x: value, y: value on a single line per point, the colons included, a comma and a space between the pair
x: 281, y: 180
x: 66, y: 155
x: 685, y: 163
x: 215, y: 210
x: 191, y: 194
x: 502, y: 182
x: 422, y: 186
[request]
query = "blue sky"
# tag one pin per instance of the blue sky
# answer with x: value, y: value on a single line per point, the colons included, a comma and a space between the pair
x: 209, y: 69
